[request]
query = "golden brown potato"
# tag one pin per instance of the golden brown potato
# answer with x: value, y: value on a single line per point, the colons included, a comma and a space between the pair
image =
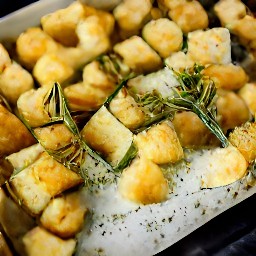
x: 179, y: 61
x: 50, y: 68
x: 160, y: 144
x: 244, y: 138
x: 5, y: 60
x: 32, y: 44
x: 226, y: 165
x: 210, y: 47
x: 192, y: 132
x: 64, y: 215
x: 126, y: 110
x: 35, y: 185
x: 229, y: 11
x: 244, y: 28
x: 54, y: 137
x: 31, y: 107
x: 61, y: 24
x: 86, y: 97
x: 164, y: 36
x: 38, y: 241
x: 132, y: 14
x: 143, y: 182
x: 105, y: 134
x: 231, y: 110
x: 229, y: 77
x: 189, y: 16
x: 248, y: 94
x: 6, y: 171
x: 130, y: 50
x: 13, y: 133
x: 14, y: 81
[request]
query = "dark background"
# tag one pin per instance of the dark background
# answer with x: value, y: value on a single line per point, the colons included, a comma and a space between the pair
x: 233, y: 233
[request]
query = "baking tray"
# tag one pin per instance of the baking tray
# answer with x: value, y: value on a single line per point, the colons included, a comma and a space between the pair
x: 121, y: 228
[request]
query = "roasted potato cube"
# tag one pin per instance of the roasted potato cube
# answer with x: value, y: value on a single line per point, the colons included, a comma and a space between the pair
x: 132, y: 14
x: 225, y: 166
x: 92, y: 36
x: 229, y: 77
x: 54, y: 137
x: 244, y: 28
x: 126, y: 110
x: 14, y: 81
x: 131, y: 51
x: 6, y: 171
x: 248, y: 93
x: 13, y: 133
x: 229, y: 11
x: 143, y: 182
x: 179, y: 61
x: 189, y: 16
x: 192, y: 132
x: 50, y: 68
x: 32, y: 44
x: 83, y: 96
x: 38, y: 241
x: 61, y: 24
x: 64, y: 215
x: 5, y: 60
x: 42, y: 180
x: 231, y: 110
x: 31, y: 107
x: 210, y: 47
x: 95, y: 76
x: 14, y: 221
x: 160, y: 144
x: 107, y: 135
x: 170, y: 4
x: 164, y: 36
x: 244, y: 138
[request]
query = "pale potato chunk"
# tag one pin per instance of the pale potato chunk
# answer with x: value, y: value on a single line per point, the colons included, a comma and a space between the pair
x: 192, y: 132
x: 143, y: 182
x: 171, y: 4
x: 64, y: 215
x: 229, y: 77
x: 248, y: 93
x: 229, y: 11
x: 31, y: 107
x: 189, y: 16
x: 179, y: 61
x: 131, y: 51
x: 126, y: 110
x: 54, y: 137
x: 92, y: 36
x: 14, y: 81
x: 50, y: 68
x: 244, y: 28
x: 244, y: 138
x: 225, y: 166
x: 83, y: 96
x: 5, y: 60
x: 95, y: 76
x: 210, y: 47
x: 164, y: 36
x: 35, y: 185
x: 32, y: 44
x: 13, y: 133
x: 61, y: 24
x: 231, y: 110
x: 160, y: 144
x: 132, y: 14
x: 105, y: 134
x: 38, y: 241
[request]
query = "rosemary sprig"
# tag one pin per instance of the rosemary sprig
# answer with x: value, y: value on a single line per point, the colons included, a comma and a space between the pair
x: 195, y: 93
x: 72, y: 155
